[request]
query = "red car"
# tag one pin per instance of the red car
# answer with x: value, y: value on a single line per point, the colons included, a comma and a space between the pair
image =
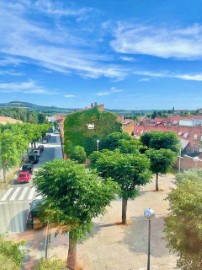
x: 24, y: 177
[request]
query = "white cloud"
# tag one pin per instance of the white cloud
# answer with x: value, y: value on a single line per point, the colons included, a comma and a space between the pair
x: 127, y: 58
x: 110, y: 92
x: 103, y: 93
x: 55, y: 48
x: 28, y: 87
x: 115, y: 90
x: 166, y: 74
x: 58, y: 9
x: 69, y: 96
x: 182, y: 43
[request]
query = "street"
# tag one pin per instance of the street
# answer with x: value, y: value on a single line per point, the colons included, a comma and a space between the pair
x: 15, y: 200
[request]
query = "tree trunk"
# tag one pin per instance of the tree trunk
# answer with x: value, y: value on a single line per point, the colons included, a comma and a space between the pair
x: 4, y: 174
x: 124, y: 210
x: 71, y: 259
x: 157, y: 182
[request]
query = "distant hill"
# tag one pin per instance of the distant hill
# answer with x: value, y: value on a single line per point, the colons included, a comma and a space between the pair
x: 48, y: 110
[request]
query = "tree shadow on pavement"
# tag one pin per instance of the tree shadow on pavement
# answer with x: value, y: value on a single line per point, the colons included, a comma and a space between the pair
x: 18, y: 222
x: 136, y: 236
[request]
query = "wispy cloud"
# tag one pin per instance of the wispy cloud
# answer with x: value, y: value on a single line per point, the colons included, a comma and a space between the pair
x: 57, y: 8
x: 181, y: 43
x: 128, y: 58
x: 109, y: 92
x: 57, y: 48
x: 167, y: 74
x: 28, y: 87
x: 69, y: 96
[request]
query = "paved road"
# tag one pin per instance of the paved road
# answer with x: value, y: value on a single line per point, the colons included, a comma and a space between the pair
x: 14, y: 201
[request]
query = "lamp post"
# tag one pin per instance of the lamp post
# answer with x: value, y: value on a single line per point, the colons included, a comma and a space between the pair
x: 149, y: 214
x: 196, y: 160
x: 180, y: 153
x: 98, y: 145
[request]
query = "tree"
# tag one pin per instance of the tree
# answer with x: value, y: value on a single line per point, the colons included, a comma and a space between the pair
x: 112, y: 140
x: 183, y: 230
x: 129, y: 171
x: 157, y: 140
x: 161, y: 161
x: 11, y: 256
x: 73, y: 196
x: 9, y: 152
x: 50, y: 264
x: 78, y: 154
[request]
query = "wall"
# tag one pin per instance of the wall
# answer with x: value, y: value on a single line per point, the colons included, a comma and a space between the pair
x: 187, y: 163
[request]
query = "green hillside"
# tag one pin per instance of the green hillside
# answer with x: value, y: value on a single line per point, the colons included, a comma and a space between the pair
x: 76, y: 130
x: 48, y: 110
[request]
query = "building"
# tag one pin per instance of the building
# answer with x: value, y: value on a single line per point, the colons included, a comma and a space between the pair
x: 188, y: 130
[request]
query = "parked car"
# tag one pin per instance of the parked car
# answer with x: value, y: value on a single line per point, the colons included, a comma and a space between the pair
x: 27, y: 167
x: 32, y: 216
x: 33, y: 158
x: 37, y: 152
x: 40, y: 147
x: 23, y: 177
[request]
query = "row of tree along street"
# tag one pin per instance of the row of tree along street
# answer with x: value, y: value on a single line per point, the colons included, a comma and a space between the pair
x: 15, y: 140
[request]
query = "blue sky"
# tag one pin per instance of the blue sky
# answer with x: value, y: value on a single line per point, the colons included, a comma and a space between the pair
x: 131, y: 54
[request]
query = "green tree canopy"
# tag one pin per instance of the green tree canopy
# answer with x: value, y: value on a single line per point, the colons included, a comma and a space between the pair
x: 161, y: 161
x: 129, y: 171
x: 73, y: 196
x: 78, y: 154
x: 50, y: 264
x: 11, y: 256
x: 183, y: 226
x: 157, y: 140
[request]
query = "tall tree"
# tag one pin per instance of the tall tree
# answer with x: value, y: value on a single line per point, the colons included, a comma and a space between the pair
x: 9, y: 151
x: 73, y: 196
x: 161, y: 161
x: 183, y: 230
x: 129, y: 171
x: 157, y: 140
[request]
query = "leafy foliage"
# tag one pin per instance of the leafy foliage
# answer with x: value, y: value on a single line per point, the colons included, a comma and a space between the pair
x: 189, y: 175
x: 74, y: 195
x: 11, y: 254
x: 78, y: 154
x: 24, y: 115
x: 157, y: 140
x: 77, y: 132
x: 161, y: 160
x: 183, y: 226
x: 129, y: 170
x: 50, y: 264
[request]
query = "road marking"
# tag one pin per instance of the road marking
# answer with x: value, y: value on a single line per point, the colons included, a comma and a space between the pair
x: 15, y: 194
x: 6, y: 195
x: 39, y: 197
x: 23, y: 193
x: 31, y: 194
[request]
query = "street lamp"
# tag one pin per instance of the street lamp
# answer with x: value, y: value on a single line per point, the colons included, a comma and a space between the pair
x: 98, y: 145
x: 196, y: 160
x: 149, y: 214
x: 180, y: 153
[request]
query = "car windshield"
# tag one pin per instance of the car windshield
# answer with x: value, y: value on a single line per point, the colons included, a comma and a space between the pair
x: 23, y: 175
